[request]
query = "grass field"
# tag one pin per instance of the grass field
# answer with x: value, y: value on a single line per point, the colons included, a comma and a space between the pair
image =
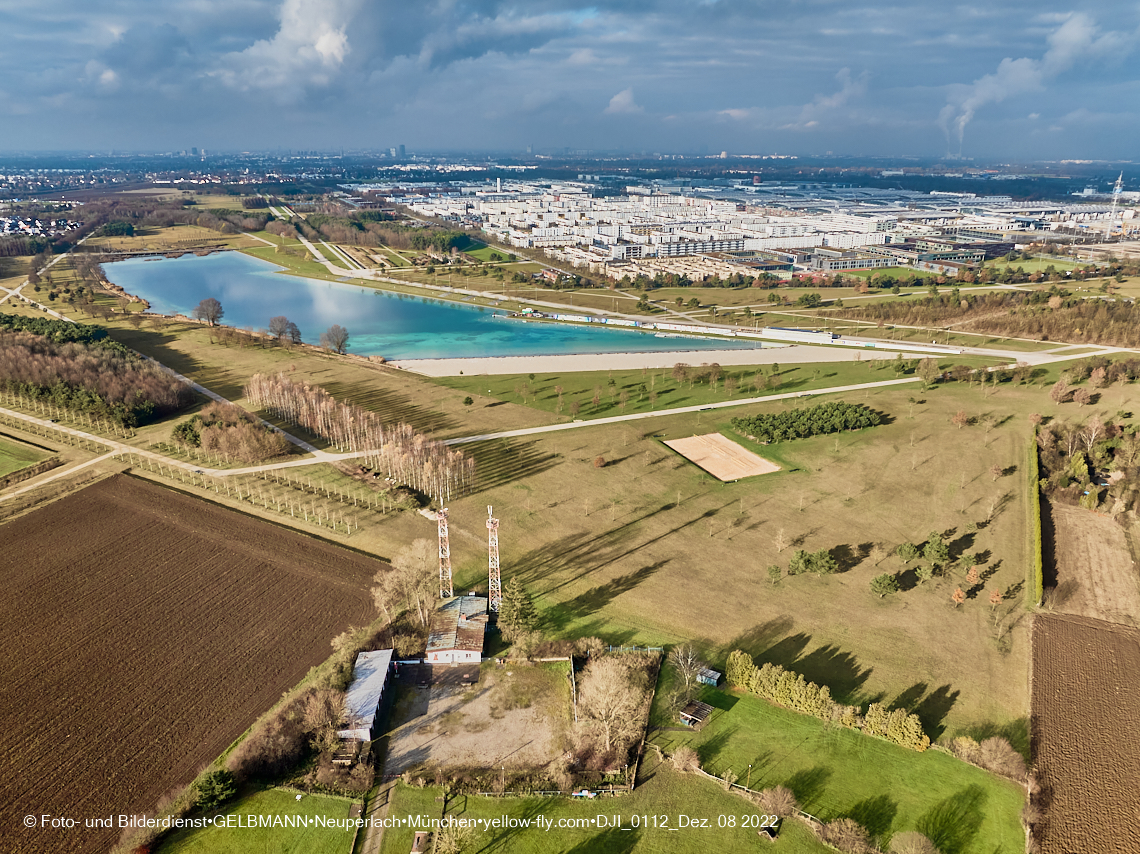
x: 16, y: 455
x: 278, y: 840
x: 613, y: 551
x: 1033, y: 265
x: 836, y: 773
x: 661, y: 792
x: 640, y: 386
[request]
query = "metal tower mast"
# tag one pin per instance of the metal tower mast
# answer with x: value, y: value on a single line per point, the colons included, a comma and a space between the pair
x: 445, y: 588
x: 494, y: 582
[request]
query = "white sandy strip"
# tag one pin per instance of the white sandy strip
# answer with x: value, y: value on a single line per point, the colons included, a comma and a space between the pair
x: 721, y: 457
x: 793, y: 354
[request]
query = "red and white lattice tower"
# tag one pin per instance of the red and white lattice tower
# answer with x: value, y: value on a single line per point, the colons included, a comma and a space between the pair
x: 445, y: 589
x: 494, y: 583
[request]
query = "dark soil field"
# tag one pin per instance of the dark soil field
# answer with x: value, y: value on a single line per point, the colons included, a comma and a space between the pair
x: 143, y: 631
x: 1086, y: 713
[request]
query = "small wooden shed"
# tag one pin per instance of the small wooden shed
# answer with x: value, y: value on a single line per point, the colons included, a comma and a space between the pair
x: 696, y: 714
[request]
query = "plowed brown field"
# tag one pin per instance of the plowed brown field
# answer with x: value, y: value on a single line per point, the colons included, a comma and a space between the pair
x: 1086, y: 716
x: 142, y: 631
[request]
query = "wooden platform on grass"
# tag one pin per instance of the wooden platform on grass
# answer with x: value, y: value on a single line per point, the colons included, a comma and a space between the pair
x: 721, y: 457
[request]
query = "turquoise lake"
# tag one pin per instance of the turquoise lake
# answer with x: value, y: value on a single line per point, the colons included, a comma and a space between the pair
x: 396, y: 326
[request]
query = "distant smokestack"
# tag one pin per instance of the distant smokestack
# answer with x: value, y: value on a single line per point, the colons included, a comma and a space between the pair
x: 498, y: 185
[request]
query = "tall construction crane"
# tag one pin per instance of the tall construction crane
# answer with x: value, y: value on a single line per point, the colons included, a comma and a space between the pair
x: 494, y: 582
x: 1117, y: 189
x: 445, y: 588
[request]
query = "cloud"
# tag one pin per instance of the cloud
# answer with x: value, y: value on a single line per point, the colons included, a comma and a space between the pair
x: 1075, y: 40
x: 849, y: 90
x: 309, y: 48
x: 623, y: 102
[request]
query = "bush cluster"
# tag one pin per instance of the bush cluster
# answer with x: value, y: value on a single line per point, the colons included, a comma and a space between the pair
x: 228, y: 430
x: 832, y: 417
x: 789, y: 689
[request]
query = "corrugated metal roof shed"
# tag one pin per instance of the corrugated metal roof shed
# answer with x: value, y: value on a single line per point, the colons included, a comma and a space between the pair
x: 369, y: 677
x: 459, y: 623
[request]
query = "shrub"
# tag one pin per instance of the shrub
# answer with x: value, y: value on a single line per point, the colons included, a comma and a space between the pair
x: 911, y: 842
x: 215, y: 789
x: 884, y: 585
x: 685, y: 759
x: 779, y: 800
x: 847, y: 835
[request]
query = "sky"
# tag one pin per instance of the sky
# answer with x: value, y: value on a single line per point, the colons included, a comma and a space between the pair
x: 1006, y: 80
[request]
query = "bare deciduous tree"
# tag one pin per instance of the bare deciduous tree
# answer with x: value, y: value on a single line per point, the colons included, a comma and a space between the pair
x: 335, y: 338
x: 610, y: 694
x: 209, y: 310
x: 688, y: 665
x: 278, y: 326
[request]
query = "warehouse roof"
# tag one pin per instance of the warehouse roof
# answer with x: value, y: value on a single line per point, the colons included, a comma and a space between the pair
x: 369, y: 676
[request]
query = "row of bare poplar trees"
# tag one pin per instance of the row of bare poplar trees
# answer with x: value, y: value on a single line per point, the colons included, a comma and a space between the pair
x: 406, y: 456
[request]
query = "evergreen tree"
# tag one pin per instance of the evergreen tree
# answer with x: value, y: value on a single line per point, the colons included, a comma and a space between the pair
x: 517, y: 615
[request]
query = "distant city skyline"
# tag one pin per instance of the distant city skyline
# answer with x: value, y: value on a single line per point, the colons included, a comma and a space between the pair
x: 1018, y: 81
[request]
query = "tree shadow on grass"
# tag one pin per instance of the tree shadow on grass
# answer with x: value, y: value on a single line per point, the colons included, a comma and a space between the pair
x: 612, y: 841
x: 953, y: 823
x: 875, y: 814
x: 1016, y: 732
x: 760, y: 637
x: 849, y: 557
x: 809, y: 784
x: 596, y: 598
x: 503, y: 461
x: 709, y: 750
x: 826, y: 665
x: 502, y: 840
x: 931, y: 708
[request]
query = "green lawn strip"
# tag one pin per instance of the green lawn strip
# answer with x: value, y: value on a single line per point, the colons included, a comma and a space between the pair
x: 663, y: 792
x: 279, y: 840
x: 1034, y: 265
x: 15, y: 456
x: 580, y: 386
x: 836, y: 772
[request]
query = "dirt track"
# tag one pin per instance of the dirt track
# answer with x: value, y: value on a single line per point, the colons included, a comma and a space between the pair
x: 1086, y: 716
x: 143, y: 631
x: 1095, y: 574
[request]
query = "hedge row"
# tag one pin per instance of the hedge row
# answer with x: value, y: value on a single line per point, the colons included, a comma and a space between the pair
x: 1036, y: 587
x: 790, y: 690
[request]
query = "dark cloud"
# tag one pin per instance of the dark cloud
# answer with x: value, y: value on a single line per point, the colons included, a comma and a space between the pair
x: 745, y: 75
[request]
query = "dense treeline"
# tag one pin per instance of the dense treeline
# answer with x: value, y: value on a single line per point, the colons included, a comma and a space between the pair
x: 791, y: 690
x: 1095, y: 464
x: 366, y: 228
x: 1056, y: 315
x: 405, y: 455
x: 59, y: 331
x: 230, y: 431
x: 832, y: 417
x: 101, y: 381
